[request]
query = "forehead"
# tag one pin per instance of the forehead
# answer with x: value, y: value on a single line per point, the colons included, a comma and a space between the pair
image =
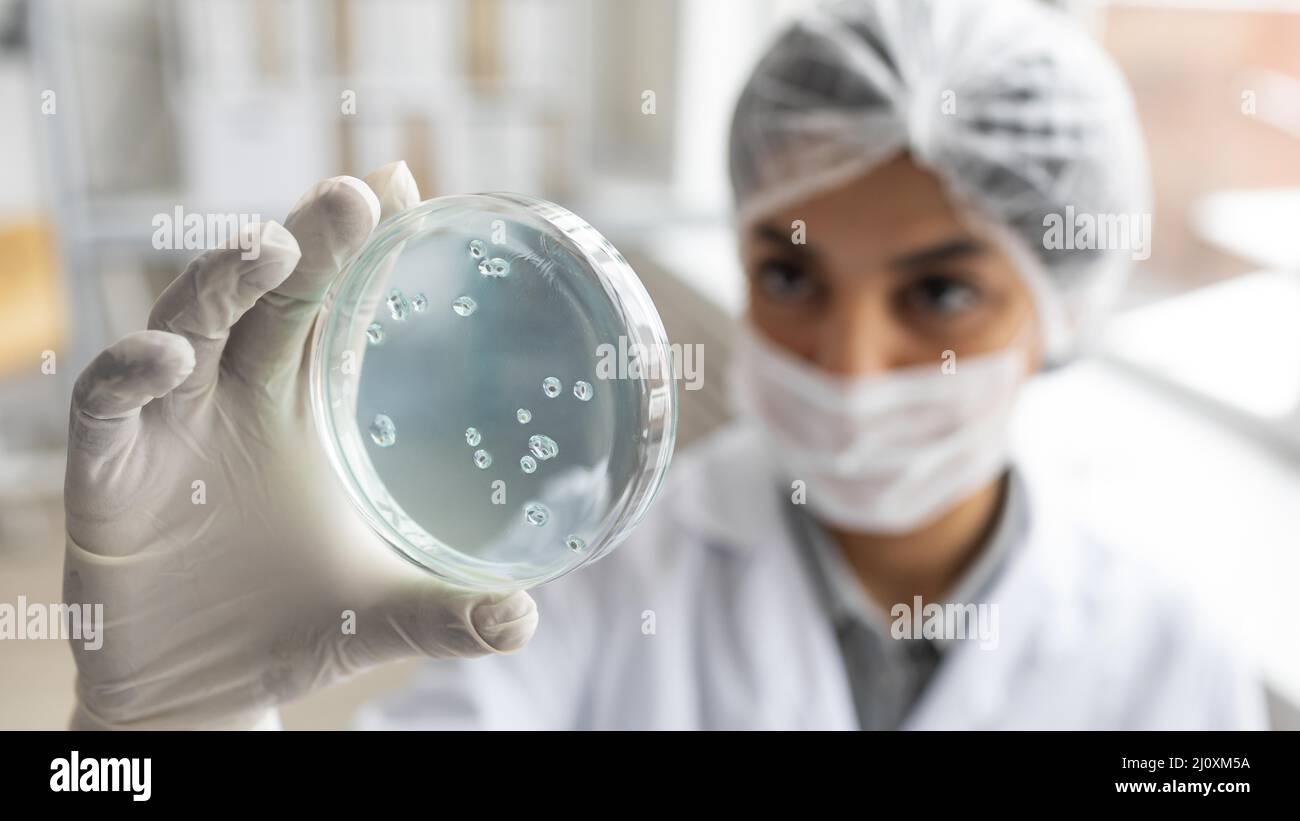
x: 895, y: 208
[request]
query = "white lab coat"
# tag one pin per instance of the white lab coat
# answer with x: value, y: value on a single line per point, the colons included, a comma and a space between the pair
x: 706, y: 618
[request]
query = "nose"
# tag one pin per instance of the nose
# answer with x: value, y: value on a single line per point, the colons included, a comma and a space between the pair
x: 856, y: 339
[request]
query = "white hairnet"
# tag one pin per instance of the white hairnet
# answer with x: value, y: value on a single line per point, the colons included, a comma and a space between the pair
x: 1016, y: 110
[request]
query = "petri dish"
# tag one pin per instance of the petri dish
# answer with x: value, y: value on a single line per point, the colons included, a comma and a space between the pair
x: 494, y: 388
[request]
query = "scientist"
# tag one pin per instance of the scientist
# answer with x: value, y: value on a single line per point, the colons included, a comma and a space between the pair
x: 858, y: 551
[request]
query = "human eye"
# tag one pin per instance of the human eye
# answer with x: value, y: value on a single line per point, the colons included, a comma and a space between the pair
x: 784, y: 281
x: 940, y: 295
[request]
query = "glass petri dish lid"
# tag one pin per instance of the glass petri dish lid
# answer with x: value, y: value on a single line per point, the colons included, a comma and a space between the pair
x: 494, y: 389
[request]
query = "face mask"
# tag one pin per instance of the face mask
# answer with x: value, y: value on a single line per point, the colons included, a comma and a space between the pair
x: 885, y: 453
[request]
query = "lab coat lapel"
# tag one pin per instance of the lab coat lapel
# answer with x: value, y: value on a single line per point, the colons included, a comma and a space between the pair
x: 769, y: 658
x: 987, y: 688
x: 768, y: 653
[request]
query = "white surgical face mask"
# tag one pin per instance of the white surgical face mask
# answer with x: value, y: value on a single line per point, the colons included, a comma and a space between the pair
x: 885, y: 453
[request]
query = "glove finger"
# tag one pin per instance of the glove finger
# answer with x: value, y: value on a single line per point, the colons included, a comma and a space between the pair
x: 397, y: 190
x: 268, y: 345
x: 395, y: 187
x: 436, y: 621
x: 215, y: 290
x: 110, y: 392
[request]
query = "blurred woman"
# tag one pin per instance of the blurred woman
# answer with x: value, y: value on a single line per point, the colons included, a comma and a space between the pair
x: 858, y: 551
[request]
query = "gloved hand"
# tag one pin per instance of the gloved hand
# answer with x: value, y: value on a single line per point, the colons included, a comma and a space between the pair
x: 224, y: 599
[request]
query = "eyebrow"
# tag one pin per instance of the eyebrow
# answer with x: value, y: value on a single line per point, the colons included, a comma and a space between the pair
x: 944, y: 252
x: 957, y: 248
x: 773, y: 236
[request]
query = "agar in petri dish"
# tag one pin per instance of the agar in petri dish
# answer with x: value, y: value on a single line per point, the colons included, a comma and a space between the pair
x: 483, y: 468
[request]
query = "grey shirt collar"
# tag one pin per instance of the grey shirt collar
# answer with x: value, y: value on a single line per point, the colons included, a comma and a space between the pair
x: 848, y: 602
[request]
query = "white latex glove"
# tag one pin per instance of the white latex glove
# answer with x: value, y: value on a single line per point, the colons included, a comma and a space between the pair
x: 215, y: 613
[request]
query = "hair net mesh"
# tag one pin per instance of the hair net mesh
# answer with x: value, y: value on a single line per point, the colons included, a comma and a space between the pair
x: 1016, y: 110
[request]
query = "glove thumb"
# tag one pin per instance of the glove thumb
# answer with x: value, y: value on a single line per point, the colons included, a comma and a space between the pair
x: 441, y: 622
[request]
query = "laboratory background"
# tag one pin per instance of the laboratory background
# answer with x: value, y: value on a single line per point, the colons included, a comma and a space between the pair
x: 1179, y: 434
